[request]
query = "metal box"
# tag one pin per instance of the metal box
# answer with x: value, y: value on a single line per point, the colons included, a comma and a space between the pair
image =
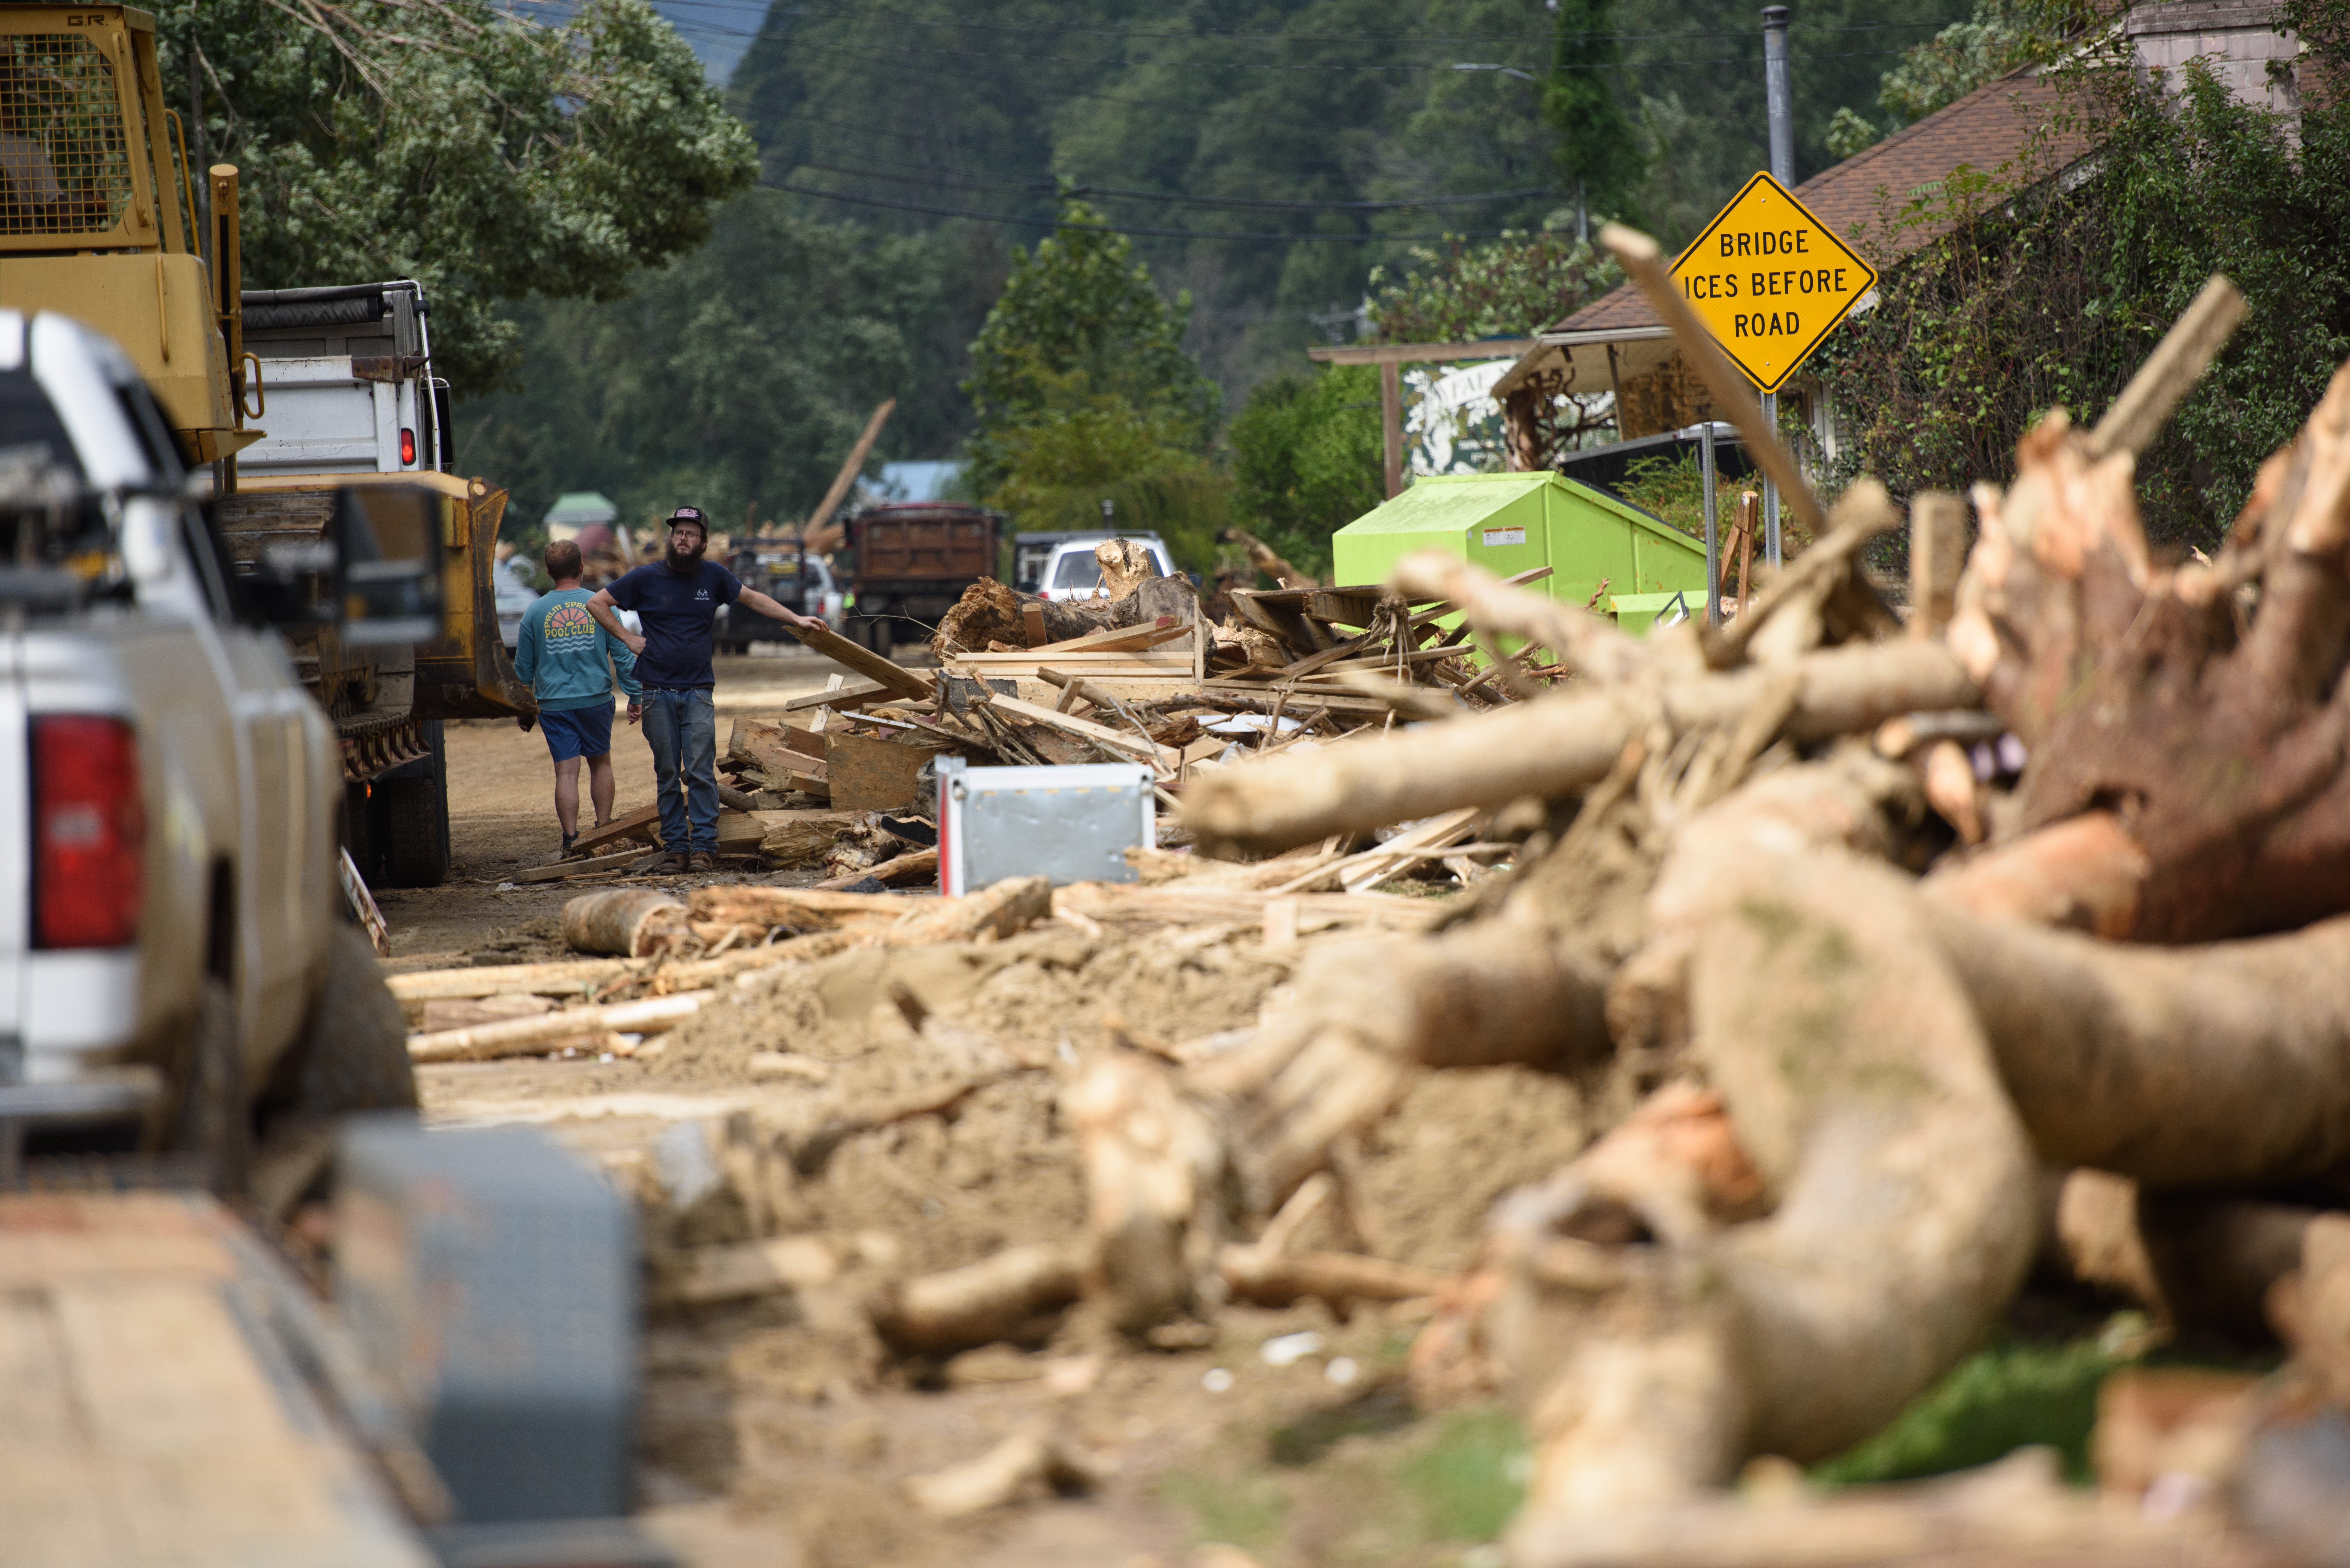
x: 1072, y: 824
x: 489, y: 1280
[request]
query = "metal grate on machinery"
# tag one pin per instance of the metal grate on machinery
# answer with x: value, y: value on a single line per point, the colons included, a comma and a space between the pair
x: 64, y: 163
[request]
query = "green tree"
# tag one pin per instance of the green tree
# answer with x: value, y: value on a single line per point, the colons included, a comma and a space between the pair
x: 1306, y: 459
x: 1080, y: 384
x: 487, y: 155
x: 1507, y: 288
x: 1596, y: 150
x: 736, y: 378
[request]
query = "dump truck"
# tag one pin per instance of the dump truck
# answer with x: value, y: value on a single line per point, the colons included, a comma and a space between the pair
x: 912, y: 561
x: 99, y: 222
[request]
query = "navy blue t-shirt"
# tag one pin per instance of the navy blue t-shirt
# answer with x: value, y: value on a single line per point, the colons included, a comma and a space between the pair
x: 678, y: 609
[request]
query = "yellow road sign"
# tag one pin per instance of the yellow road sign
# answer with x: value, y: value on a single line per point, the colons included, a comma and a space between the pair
x: 1769, y: 280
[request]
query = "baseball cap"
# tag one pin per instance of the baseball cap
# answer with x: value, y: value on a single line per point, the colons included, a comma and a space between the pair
x: 690, y: 515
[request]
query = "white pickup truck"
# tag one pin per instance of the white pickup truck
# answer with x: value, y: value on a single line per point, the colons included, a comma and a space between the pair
x: 175, y: 971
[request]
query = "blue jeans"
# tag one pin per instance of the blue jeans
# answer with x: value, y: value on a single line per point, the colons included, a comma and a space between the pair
x: 681, y: 727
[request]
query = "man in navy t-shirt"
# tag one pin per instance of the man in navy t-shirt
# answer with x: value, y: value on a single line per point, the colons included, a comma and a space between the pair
x: 677, y: 598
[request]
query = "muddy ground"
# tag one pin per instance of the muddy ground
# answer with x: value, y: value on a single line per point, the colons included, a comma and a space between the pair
x: 780, y: 1432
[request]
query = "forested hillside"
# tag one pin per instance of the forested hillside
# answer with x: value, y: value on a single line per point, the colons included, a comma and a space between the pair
x: 1274, y: 164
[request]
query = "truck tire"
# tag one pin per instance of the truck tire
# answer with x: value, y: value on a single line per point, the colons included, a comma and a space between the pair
x: 411, y: 819
x: 213, y: 1121
x: 352, y: 1055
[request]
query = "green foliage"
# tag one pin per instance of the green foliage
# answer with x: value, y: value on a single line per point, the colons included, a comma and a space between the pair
x: 1596, y: 150
x: 1673, y: 489
x: 1509, y: 287
x: 1081, y: 386
x: 2004, y: 1397
x: 1469, y: 1482
x: 1962, y: 56
x: 1306, y: 459
x: 486, y: 155
x: 739, y: 375
x: 1849, y: 134
x: 2051, y: 294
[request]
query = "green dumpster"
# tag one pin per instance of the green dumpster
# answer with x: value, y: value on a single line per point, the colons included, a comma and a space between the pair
x: 1507, y: 523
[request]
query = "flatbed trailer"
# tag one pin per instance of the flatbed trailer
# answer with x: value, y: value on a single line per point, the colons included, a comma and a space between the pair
x: 166, y: 1383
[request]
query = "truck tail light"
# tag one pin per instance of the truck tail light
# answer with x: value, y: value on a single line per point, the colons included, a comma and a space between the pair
x: 408, y: 449
x: 90, y: 832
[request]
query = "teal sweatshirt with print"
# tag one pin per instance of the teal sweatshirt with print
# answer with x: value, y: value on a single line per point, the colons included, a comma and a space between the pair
x: 562, y: 651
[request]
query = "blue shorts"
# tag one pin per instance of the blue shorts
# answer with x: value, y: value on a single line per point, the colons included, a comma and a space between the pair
x: 577, y: 732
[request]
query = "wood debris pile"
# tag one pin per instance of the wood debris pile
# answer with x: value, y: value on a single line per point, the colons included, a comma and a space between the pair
x: 1896, y: 929
x: 1136, y: 674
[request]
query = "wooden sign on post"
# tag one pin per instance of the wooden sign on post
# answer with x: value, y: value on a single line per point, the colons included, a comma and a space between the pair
x: 1768, y: 281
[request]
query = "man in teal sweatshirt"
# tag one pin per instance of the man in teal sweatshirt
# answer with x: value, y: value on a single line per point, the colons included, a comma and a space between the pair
x: 570, y: 663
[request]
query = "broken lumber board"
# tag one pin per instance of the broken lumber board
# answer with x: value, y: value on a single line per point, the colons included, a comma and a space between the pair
x: 886, y: 673
x: 863, y: 694
x: 562, y: 871
x: 870, y: 774
x: 564, y: 977
x: 525, y: 1036
x: 621, y: 826
x: 1123, y: 741
x: 771, y: 749
x: 1118, y: 638
x: 917, y: 865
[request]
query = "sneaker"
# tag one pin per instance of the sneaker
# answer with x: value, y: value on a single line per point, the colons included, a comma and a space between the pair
x: 568, y: 839
x: 703, y: 860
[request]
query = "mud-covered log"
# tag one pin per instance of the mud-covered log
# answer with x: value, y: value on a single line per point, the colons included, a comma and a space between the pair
x: 2221, y: 1065
x: 632, y: 922
x: 1009, y: 1296
x: 1548, y: 747
x: 1658, y: 1352
x: 1155, y: 1160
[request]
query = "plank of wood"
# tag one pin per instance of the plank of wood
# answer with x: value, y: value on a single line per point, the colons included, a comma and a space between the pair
x: 564, y: 870
x: 769, y: 748
x: 993, y: 662
x: 1120, y: 639
x: 1032, y: 616
x: 859, y: 694
x: 864, y: 660
x: 621, y: 826
x: 870, y: 774
x: 524, y: 1037
x: 1125, y: 741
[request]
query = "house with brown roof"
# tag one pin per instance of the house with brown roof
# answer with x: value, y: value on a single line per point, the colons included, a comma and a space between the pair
x: 1616, y: 344
x: 2008, y: 131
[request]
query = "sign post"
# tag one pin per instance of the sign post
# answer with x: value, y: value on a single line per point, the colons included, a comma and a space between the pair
x: 1768, y: 281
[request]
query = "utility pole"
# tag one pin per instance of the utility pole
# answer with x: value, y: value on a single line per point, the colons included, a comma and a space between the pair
x: 1781, y: 109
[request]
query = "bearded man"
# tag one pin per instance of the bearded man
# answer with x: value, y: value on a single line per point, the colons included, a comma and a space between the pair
x: 677, y: 599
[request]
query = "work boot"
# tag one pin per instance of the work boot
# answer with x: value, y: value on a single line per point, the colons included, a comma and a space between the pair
x: 703, y: 860
x: 661, y: 864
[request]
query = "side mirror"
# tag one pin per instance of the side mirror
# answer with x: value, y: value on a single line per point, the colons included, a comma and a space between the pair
x: 390, y: 539
x: 373, y: 573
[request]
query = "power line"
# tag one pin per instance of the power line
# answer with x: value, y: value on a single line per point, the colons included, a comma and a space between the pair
x: 938, y: 176
x: 1121, y: 228
x: 1323, y: 165
x: 1218, y: 36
